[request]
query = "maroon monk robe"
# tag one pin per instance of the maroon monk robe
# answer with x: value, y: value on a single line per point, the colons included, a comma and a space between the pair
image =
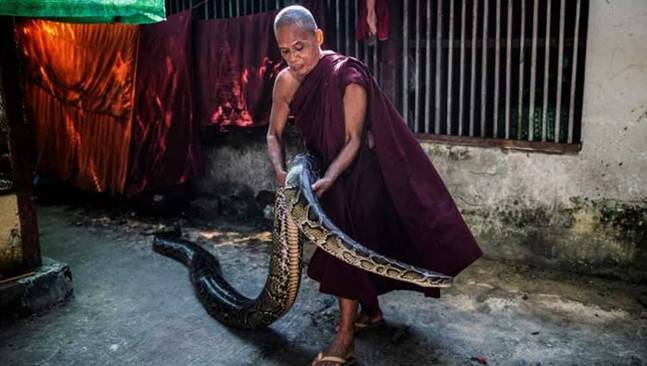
x: 391, y: 199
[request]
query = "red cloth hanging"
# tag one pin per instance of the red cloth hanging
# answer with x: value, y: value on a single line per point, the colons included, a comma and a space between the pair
x: 112, y: 104
x: 237, y: 61
x: 373, y: 20
x: 165, y: 147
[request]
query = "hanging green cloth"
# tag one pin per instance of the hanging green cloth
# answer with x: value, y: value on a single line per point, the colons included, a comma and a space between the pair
x: 88, y: 11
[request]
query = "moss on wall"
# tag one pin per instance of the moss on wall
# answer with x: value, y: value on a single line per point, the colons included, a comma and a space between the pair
x: 602, y: 237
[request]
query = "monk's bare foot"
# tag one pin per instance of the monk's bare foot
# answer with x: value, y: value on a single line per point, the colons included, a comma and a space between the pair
x: 369, y: 318
x: 365, y: 318
x: 342, y: 346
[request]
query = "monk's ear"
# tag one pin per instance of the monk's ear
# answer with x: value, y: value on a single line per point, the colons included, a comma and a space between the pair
x: 319, y: 36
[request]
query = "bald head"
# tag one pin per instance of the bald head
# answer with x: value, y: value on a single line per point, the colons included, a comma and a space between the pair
x: 295, y: 15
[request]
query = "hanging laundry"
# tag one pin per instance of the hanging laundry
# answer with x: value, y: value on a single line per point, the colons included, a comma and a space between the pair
x: 112, y: 105
x: 237, y: 60
x: 79, y: 89
x: 372, y: 20
x: 165, y: 145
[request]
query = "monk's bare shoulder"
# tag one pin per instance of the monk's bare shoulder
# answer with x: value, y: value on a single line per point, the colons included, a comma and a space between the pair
x: 285, y: 86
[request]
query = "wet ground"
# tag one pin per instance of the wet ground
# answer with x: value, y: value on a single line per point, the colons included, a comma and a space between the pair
x: 135, y: 307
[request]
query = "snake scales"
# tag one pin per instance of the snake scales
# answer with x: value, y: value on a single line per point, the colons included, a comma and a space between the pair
x: 297, y: 211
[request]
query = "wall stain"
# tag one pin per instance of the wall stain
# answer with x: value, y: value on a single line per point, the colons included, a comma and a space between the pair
x: 600, y: 237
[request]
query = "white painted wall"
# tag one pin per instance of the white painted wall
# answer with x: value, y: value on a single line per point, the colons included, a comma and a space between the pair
x: 613, y: 160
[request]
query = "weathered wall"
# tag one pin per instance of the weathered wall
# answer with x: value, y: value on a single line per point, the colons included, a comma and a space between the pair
x: 10, y: 247
x: 588, y: 211
x: 585, y: 212
x: 239, y: 179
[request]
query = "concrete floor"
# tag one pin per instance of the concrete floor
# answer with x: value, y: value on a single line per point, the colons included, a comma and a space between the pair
x: 135, y: 307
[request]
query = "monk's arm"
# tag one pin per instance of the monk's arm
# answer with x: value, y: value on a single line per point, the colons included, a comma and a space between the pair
x: 355, y: 100
x: 278, y: 119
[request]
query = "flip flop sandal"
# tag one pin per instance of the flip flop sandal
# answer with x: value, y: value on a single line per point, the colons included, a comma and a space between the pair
x: 361, y: 326
x: 348, y: 361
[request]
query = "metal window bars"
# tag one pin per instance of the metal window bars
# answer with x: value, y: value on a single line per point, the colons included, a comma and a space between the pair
x: 493, y: 69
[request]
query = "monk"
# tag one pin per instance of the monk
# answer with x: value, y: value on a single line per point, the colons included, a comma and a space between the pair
x: 378, y: 185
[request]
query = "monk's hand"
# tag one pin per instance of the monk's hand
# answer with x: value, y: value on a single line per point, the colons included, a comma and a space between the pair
x: 280, y: 178
x: 321, y: 185
x: 370, y: 139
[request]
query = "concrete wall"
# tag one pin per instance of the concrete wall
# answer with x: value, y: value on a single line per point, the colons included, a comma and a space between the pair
x: 585, y: 212
x: 239, y: 179
x: 588, y: 211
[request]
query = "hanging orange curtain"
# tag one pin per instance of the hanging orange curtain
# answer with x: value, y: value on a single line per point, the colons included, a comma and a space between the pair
x: 80, y: 83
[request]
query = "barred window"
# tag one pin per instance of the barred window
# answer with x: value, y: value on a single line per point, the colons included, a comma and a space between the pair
x: 506, y: 73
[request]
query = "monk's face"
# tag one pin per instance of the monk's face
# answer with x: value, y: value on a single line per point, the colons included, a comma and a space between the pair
x: 300, y: 48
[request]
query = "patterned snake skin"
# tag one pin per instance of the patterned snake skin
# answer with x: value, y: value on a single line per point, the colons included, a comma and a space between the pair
x: 297, y: 210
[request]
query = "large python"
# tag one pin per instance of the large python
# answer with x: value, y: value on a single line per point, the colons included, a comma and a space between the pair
x: 297, y: 214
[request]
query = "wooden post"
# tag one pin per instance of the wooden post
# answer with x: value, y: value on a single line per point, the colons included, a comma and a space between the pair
x: 19, y: 143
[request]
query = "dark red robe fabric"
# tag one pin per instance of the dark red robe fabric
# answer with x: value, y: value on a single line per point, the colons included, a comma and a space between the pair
x: 237, y: 62
x: 381, y: 12
x: 390, y: 198
x: 165, y: 148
